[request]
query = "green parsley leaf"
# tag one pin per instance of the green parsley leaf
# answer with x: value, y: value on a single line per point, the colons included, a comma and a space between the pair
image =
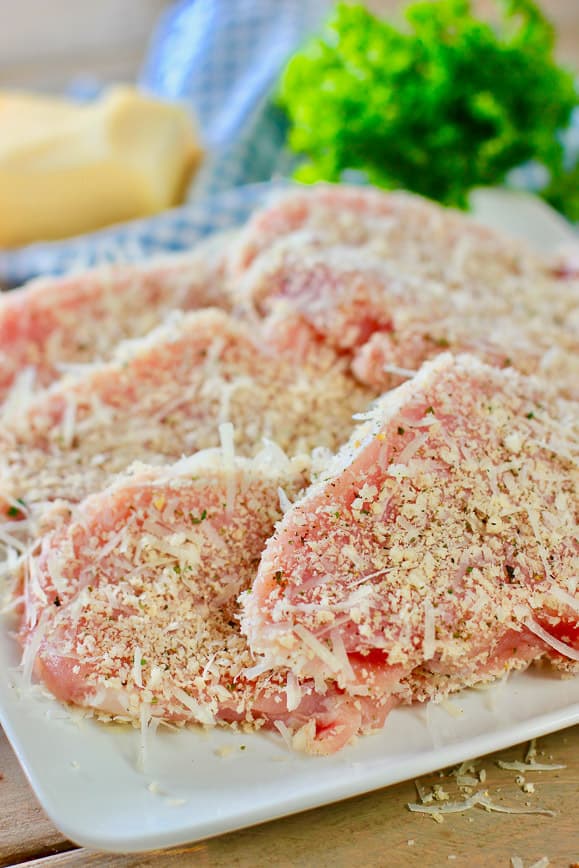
x: 201, y: 518
x: 444, y: 104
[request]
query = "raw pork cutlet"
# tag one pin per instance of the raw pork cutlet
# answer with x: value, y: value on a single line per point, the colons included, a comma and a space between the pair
x: 391, y: 322
x: 131, y: 609
x: 439, y: 549
x: 164, y: 396
x: 50, y: 323
x: 407, y: 230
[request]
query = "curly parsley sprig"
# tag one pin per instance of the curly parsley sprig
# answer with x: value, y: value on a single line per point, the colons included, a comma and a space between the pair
x: 446, y: 104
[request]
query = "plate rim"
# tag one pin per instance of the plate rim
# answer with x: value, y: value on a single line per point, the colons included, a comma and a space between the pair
x: 423, y: 763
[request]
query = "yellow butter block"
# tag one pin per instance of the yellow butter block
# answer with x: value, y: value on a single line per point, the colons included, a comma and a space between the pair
x: 66, y: 169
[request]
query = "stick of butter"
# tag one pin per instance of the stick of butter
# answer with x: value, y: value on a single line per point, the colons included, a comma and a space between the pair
x: 67, y: 168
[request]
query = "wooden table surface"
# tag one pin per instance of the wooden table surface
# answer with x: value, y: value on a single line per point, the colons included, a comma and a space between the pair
x: 372, y: 830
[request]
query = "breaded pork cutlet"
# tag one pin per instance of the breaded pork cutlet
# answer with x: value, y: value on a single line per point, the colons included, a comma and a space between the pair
x: 164, y: 396
x: 438, y: 549
x: 50, y: 324
x: 131, y: 609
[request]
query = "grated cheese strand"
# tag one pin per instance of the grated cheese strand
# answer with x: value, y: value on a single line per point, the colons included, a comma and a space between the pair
x: 529, y: 766
x: 479, y: 799
x: 428, y: 646
x: 556, y: 644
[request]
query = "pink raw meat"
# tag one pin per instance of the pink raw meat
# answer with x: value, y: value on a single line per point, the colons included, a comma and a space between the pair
x: 439, y: 547
x: 390, y: 321
x: 131, y: 609
x: 164, y: 396
x: 413, y: 233
x: 50, y: 323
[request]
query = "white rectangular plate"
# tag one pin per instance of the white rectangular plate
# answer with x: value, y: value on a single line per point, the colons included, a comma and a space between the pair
x: 198, y: 784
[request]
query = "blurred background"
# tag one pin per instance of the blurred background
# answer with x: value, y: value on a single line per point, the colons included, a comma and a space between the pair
x: 45, y: 45
x: 230, y: 97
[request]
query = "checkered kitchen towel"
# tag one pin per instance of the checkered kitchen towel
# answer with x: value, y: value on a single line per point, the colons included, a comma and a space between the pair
x: 222, y: 57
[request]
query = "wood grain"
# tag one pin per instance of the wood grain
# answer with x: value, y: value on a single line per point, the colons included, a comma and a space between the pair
x: 371, y: 830
x: 25, y: 832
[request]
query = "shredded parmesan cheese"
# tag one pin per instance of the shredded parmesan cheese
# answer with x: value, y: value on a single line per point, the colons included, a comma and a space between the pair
x: 284, y: 732
x: 201, y: 713
x: 32, y: 648
x: 563, y: 597
x: 137, y: 666
x: 319, y: 649
x: 144, y: 720
x: 478, y: 799
x: 556, y: 644
x: 515, y: 766
x: 428, y: 646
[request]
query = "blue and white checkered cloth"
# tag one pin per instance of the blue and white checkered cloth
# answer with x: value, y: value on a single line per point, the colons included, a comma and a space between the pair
x: 222, y: 57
